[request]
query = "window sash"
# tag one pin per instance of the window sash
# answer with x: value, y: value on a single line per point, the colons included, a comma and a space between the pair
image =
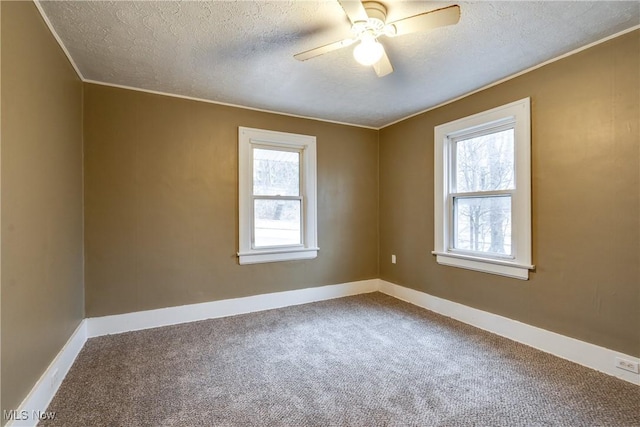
x: 452, y: 195
x: 488, y: 129
x: 301, y: 222
x: 300, y: 197
x: 452, y: 223
x: 278, y: 147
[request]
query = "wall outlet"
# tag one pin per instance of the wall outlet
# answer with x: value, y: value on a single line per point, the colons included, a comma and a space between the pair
x: 54, y: 379
x: 393, y: 259
x: 627, y: 365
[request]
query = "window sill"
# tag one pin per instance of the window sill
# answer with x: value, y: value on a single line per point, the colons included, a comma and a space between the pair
x: 486, y: 265
x: 274, y: 255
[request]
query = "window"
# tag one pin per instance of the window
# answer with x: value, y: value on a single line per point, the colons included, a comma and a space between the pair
x: 277, y: 196
x: 483, y: 191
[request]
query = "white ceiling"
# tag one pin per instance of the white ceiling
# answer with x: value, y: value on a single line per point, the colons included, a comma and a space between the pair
x: 241, y: 52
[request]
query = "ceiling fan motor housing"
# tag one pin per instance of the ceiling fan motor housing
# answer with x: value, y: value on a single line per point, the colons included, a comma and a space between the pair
x: 377, y: 14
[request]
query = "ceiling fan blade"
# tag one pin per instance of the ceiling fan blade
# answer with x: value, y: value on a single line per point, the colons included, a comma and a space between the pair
x: 303, y: 56
x: 383, y: 66
x: 425, y: 21
x: 354, y: 10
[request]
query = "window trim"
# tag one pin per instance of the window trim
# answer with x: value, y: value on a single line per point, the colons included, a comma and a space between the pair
x: 519, y: 264
x: 248, y: 138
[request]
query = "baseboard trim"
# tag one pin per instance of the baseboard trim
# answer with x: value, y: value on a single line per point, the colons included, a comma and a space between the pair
x: 119, y: 323
x: 586, y: 354
x: 583, y: 353
x: 46, y: 387
x: 38, y: 399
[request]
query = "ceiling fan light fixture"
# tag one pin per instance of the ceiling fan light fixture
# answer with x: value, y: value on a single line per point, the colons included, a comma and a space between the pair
x: 369, y: 21
x: 368, y: 52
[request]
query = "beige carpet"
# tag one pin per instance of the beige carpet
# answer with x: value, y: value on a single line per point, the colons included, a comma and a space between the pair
x: 368, y: 360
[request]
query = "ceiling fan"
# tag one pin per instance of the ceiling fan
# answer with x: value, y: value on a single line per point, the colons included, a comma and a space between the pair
x: 368, y: 21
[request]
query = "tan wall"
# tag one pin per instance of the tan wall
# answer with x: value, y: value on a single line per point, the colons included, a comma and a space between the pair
x: 161, y: 203
x: 42, y: 290
x: 586, y: 200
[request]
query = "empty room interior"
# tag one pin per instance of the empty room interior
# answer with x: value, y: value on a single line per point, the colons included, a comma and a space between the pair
x: 320, y: 213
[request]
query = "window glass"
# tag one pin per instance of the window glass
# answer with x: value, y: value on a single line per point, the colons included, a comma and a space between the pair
x: 276, y: 222
x: 485, y: 162
x: 483, y: 224
x: 276, y: 173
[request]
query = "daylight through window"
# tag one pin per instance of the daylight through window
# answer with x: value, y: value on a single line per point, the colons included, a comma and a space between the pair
x: 277, y: 196
x: 482, y: 192
x: 277, y: 200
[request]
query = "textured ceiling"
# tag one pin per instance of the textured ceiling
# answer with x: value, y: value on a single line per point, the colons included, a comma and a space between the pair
x: 242, y: 52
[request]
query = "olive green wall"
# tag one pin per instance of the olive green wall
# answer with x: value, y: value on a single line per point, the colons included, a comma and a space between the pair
x: 586, y: 200
x: 161, y: 203
x: 41, y: 131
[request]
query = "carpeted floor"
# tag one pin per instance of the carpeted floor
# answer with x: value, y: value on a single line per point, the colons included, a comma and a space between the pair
x: 367, y: 360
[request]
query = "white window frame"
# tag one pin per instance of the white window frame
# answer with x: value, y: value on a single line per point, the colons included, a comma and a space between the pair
x: 248, y: 138
x: 519, y: 264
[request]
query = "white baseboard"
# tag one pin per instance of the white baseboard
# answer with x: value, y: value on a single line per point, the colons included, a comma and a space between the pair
x: 589, y: 355
x: 38, y: 399
x: 36, y: 402
x: 115, y: 324
x: 586, y: 354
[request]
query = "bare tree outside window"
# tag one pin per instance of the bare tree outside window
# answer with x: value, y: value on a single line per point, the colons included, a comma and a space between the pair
x: 484, y: 168
x: 482, y: 191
